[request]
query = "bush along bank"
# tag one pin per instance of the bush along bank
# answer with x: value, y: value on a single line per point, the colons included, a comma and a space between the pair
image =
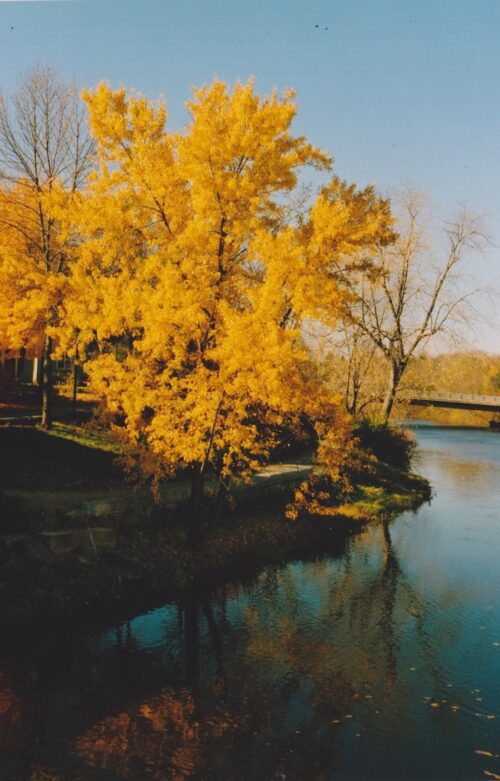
x: 125, y: 566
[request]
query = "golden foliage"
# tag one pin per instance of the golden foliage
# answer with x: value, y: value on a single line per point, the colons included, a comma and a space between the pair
x: 191, y: 284
x: 46, y: 153
x: 31, y: 279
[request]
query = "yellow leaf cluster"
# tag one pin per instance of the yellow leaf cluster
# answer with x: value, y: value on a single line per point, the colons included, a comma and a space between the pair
x: 33, y: 277
x: 189, y: 283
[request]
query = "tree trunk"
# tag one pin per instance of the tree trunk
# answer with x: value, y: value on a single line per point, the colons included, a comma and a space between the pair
x: 75, y: 387
x: 220, y: 501
x: 352, y: 403
x: 392, y: 388
x: 193, y: 535
x: 191, y: 640
x: 47, y: 384
x: 20, y: 363
x: 215, y: 637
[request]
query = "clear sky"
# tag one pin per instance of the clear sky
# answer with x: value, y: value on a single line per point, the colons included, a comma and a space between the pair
x: 400, y: 91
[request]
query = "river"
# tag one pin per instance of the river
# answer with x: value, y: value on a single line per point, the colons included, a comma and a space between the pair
x: 381, y: 663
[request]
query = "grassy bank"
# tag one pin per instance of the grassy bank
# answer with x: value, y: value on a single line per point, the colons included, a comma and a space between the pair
x: 150, y: 563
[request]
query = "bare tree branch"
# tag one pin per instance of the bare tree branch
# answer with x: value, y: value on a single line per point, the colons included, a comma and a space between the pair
x: 417, y: 294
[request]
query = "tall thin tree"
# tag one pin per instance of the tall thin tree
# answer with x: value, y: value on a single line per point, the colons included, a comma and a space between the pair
x: 44, y: 144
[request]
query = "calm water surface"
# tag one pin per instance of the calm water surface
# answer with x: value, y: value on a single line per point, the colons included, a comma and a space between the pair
x: 383, y: 663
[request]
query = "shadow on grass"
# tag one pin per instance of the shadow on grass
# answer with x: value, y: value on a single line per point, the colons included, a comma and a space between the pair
x: 32, y: 460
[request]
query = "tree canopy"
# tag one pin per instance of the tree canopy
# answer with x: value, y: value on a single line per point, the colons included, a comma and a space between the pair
x: 191, y: 282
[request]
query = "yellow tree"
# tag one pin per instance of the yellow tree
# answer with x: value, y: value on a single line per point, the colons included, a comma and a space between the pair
x: 193, y: 285
x: 29, y: 292
x: 44, y: 149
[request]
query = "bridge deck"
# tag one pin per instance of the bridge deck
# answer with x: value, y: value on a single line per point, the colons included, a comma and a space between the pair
x: 472, y: 401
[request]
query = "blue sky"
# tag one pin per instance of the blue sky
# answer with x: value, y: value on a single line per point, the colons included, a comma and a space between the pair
x: 399, y: 91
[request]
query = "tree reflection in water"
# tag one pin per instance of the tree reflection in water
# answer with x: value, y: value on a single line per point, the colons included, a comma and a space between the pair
x: 262, y: 684
x: 172, y: 734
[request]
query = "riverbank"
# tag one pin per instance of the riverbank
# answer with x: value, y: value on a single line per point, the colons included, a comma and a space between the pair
x: 139, y: 559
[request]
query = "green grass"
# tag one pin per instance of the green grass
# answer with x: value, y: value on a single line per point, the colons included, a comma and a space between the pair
x: 86, y: 436
x: 374, y: 501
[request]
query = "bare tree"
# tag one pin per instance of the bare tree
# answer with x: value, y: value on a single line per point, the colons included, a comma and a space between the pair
x: 355, y: 369
x: 44, y: 140
x: 417, y: 293
x: 348, y: 360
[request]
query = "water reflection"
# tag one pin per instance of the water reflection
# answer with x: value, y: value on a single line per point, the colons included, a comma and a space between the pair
x: 259, y: 686
x: 369, y: 665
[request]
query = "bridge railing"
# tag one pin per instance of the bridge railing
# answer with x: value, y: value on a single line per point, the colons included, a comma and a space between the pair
x: 446, y: 396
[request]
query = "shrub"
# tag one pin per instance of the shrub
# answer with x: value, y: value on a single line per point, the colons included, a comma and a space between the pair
x: 390, y: 444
